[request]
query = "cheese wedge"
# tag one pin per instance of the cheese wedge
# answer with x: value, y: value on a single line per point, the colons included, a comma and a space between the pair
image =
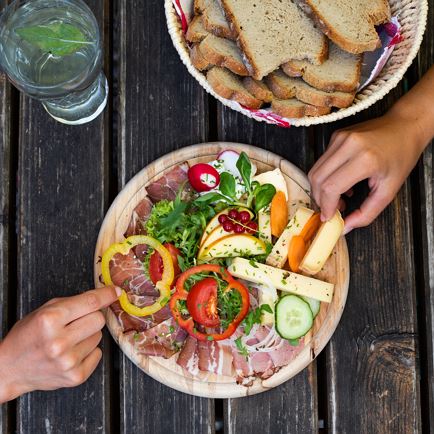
x: 322, y: 245
x: 279, y: 254
x: 275, y: 178
x: 282, y: 279
x: 264, y: 225
x: 267, y: 295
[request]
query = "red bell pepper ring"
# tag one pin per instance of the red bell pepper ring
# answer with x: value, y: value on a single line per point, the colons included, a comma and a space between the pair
x: 182, y: 294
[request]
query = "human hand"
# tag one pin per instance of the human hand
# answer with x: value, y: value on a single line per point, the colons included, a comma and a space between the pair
x: 54, y: 346
x: 382, y: 150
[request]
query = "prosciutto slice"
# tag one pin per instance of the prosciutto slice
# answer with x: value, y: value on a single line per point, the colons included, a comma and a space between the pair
x: 127, y: 272
x: 168, y: 185
x: 188, y: 358
x: 164, y: 340
x: 139, y: 217
x: 129, y: 322
x: 215, y: 357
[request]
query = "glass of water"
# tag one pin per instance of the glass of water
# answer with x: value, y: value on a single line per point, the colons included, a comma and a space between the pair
x: 51, y: 50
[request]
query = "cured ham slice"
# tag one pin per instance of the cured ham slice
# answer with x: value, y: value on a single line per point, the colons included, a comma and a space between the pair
x: 163, y: 340
x: 188, y: 358
x: 129, y: 322
x: 127, y: 272
x: 168, y: 185
x: 139, y: 217
x: 215, y: 357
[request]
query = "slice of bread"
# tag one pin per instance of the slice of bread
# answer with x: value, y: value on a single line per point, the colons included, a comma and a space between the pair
x: 348, y: 23
x: 196, y: 31
x: 293, y: 108
x: 197, y: 59
x: 214, y: 19
x: 340, y: 72
x: 272, y: 32
x: 258, y: 89
x: 230, y: 86
x: 284, y: 87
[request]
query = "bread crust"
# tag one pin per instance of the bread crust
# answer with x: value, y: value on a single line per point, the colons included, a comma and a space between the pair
x: 258, y: 89
x: 243, y: 98
x: 346, y: 44
x: 216, y: 58
x: 194, y: 35
x: 308, y: 94
x: 217, y: 30
x: 280, y: 108
x: 197, y: 59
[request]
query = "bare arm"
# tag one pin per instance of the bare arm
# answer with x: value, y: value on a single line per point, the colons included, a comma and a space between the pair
x: 383, y: 151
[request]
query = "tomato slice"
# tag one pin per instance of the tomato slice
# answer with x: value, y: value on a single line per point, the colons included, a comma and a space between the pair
x: 156, y: 263
x: 202, y: 302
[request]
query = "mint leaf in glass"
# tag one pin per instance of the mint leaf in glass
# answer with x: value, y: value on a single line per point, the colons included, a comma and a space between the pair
x: 58, y: 39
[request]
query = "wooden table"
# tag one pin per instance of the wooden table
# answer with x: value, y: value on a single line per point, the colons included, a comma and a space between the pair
x: 56, y: 183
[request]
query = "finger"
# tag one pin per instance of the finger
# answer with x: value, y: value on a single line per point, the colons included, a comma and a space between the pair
x: 84, y: 327
x: 338, y: 183
x: 342, y: 205
x: 81, y: 373
x: 84, y: 348
x: 90, y: 301
x: 369, y: 210
x: 349, y: 193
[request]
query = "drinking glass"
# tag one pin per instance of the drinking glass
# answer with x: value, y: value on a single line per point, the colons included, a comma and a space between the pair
x: 51, y: 50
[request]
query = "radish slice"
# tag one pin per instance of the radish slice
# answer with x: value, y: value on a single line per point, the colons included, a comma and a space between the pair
x: 203, y: 177
x: 229, y: 159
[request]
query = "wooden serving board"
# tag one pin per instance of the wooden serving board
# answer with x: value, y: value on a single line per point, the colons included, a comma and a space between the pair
x: 335, y: 271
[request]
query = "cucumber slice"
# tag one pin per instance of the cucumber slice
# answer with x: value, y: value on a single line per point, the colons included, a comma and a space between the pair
x: 294, y: 317
x: 315, y: 305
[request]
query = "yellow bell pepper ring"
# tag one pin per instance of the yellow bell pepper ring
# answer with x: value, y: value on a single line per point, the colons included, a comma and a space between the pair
x: 163, y: 285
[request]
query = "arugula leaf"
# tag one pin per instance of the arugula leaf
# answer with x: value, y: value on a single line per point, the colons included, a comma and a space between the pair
x: 254, y: 317
x: 59, y: 39
x: 210, y: 198
x: 227, y: 184
x: 245, y: 168
x: 241, y: 348
x: 263, y: 196
x: 175, y: 215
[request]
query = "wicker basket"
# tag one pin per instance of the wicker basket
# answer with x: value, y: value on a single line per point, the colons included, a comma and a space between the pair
x: 412, y: 15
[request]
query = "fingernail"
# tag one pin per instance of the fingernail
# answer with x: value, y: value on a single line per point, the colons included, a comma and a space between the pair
x: 322, y: 217
x: 118, y: 291
x: 347, y: 230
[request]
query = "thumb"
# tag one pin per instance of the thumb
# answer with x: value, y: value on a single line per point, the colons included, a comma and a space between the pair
x: 370, y: 209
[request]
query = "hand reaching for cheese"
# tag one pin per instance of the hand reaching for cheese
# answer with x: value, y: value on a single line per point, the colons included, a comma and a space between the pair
x: 54, y: 346
x: 382, y: 150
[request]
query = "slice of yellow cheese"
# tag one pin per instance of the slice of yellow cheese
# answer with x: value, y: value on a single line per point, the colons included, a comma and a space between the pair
x: 279, y: 254
x: 322, y: 245
x: 264, y: 225
x: 281, y: 279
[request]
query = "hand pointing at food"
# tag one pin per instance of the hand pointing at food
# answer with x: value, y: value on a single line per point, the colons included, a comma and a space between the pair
x: 382, y: 150
x: 54, y: 346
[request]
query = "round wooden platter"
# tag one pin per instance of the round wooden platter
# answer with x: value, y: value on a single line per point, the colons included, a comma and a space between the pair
x: 335, y: 271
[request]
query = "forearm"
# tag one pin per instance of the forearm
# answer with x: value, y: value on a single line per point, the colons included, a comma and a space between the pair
x: 9, y: 385
x: 416, y: 108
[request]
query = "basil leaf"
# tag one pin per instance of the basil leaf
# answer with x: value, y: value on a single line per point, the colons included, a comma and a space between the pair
x: 245, y: 168
x: 263, y: 196
x: 227, y: 184
x: 58, y: 39
x: 210, y: 197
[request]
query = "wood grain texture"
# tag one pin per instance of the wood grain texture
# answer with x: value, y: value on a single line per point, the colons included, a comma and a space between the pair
x: 160, y: 108
x: 372, y: 367
x: 61, y: 203
x: 294, y: 403
x: 426, y: 185
x: 5, y: 178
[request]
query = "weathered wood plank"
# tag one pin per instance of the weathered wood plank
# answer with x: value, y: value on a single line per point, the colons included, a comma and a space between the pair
x: 61, y: 206
x: 372, y: 366
x: 425, y: 61
x: 5, y: 177
x: 160, y: 108
x: 291, y: 407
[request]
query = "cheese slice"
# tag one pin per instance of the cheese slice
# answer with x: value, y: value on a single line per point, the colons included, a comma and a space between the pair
x: 275, y: 178
x: 264, y: 225
x: 282, y: 279
x: 322, y: 245
x: 267, y: 295
x: 279, y: 254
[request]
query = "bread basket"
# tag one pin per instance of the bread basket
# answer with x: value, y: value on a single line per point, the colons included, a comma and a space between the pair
x: 412, y: 15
